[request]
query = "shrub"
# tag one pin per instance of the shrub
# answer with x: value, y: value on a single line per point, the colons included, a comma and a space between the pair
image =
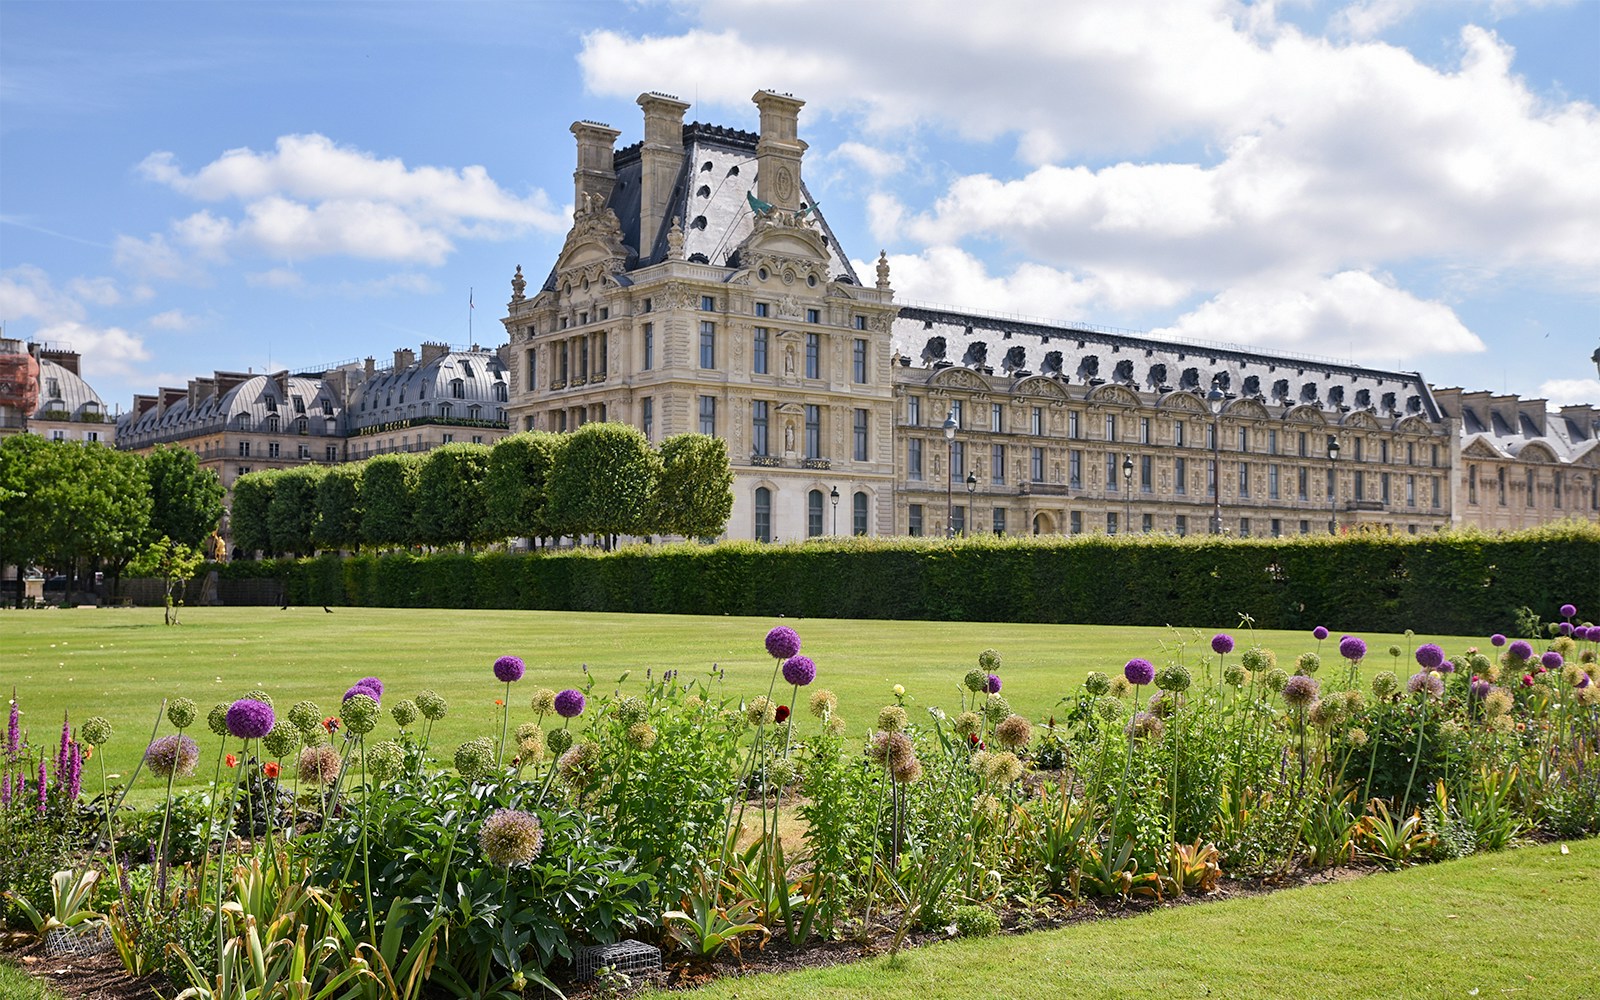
x: 976, y: 921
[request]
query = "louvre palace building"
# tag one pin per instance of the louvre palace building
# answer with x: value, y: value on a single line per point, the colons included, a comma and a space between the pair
x: 700, y: 289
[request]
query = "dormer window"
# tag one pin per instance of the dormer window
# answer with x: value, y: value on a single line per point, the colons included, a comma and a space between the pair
x: 244, y: 421
x: 271, y: 403
x: 458, y: 388
x: 466, y: 368
x: 272, y: 423
x: 54, y: 387
x: 299, y: 404
x: 474, y: 412
x: 500, y: 392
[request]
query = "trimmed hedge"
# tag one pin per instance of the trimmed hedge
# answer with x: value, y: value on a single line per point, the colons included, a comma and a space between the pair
x: 1454, y: 582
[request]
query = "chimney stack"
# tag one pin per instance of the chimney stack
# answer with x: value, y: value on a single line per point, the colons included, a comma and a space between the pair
x: 779, y: 149
x: 660, y: 159
x: 596, y: 174
x: 404, y: 357
x: 433, y: 351
x: 371, y: 366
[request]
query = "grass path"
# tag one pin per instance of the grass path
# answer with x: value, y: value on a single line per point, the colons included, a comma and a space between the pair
x: 120, y: 663
x: 1517, y: 924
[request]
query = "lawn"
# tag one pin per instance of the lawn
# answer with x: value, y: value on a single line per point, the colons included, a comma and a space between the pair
x: 120, y: 663
x: 1518, y: 923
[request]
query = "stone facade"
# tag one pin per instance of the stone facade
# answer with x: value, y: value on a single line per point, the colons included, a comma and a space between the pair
x: 42, y: 392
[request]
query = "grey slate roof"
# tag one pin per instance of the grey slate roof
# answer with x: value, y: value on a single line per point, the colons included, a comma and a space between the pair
x: 418, y: 389
x: 62, y: 391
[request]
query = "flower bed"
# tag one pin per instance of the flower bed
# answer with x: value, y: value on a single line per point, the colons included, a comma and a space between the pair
x: 339, y: 849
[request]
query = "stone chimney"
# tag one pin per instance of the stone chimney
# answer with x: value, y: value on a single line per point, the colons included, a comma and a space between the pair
x: 168, y: 396
x: 141, y: 404
x: 596, y: 174
x: 199, y: 390
x: 432, y: 351
x: 228, y: 381
x: 371, y: 366
x: 779, y: 149
x: 404, y: 358
x: 660, y: 159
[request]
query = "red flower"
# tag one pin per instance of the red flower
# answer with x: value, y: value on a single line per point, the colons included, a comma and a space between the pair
x: 270, y: 769
x: 1527, y: 680
x: 499, y: 703
x: 331, y: 723
x: 231, y: 760
x: 783, y: 712
x: 973, y: 739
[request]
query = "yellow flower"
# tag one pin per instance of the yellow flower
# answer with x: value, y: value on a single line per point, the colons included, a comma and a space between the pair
x: 899, y: 690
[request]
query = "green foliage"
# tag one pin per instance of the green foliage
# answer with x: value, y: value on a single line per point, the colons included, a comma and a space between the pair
x: 339, y: 506
x: 694, y: 494
x: 186, y: 500
x: 173, y: 563
x: 515, y: 484
x: 252, y: 499
x: 388, y: 497
x: 976, y: 922
x: 604, y: 481
x: 451, y: 501
x: 293, y: 509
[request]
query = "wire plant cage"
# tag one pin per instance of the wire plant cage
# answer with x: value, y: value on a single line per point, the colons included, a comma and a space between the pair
x: 631, y: 958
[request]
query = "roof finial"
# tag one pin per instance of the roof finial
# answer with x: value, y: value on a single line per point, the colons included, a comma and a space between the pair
x: 675, y: 241
x: 519, y: 285
x: 883, y: 271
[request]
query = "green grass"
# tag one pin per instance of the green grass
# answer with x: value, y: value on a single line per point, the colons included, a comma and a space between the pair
x: 120, y: 663
x: 16, y: 985
x: 1514, y: 924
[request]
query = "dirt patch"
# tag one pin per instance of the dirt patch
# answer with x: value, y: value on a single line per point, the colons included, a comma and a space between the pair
x: 100, y: 977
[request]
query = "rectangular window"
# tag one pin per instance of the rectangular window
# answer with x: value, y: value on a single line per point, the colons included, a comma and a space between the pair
x: 1272, y: 442
x: 1433, y: 458
x: 332, y: 453
x: 1244, y: 527
x: 1177, y: 433
x: 1331, y: 486
x: 1472, y: 484
x: 1111, y: 522
x: 1074, y: 469
x: 1529, y: 493
x: 1144, y: 430
x: 858, y: 360
x: 1244, y: 439
x: 1146, y: 474
x: 1036, y: 466
x: 1036, y: 421
x: 708, y: 303
x: 1073, y: 430
x: 708, y: 415
x: 958, y: 459
x: 914, y: 411
x: 914, y: 520
x: 759, y: 439
x: 532, y: 380
x: 647, y: 417
x: 272, y: 449
x: 997, y: 465
x: 649, y: 346
x: 1111, y: 427
x: 1383, y: 451
x: 303, y: 451
x: 999, y: 520
x: 449, y: 438
x: 914, y: 459
x: 1360, y: 447
x: 1305, y: 527
x: 997, y: 418
x: 859, y: 322
x: 813, y: 316
x: 244, y: 448
x: 1244, y: 479
x: 1111, y: 472
x: 1411, y: 491
x: 955, y: 411
x: 1180, y: 476
x: 1303, y: 481
x: 1433, y: 489
x: 813, y: 355
x: 758, y: 351
x: 708, y: 344
x: 762, y: 310
x: 1277, y: 528
x: 1411, y: 453
x: 861, y: 435
x: 1361, y: 485
x: 1302, y: 444
x: 1147, y: 523
x: 1075, y: 519
x: 813, y: 431
x: 1211, y: 478
x: 1211, y: 435
x: 958, y: 520
x: 1272, y: 482
x: 1383, y: 482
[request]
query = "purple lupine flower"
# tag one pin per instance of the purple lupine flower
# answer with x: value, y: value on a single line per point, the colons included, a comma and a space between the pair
x: 1430, y: 656
x: 5, y: 792
x: 1139, y: 672
x: 508, y: 669
x: 1222, y: 643
x: 14, y: 731
x: 249, y: 719
x: 994, y: 683
x: 1567, y: 611
x: 1497, y: 640
x: 799, y: 670
x: 1551, y: 660
x: 569, y: 703
x: 1352, y: 648
x: 783, y: 642
x: 1520, y: 650
x: 44, y: 787
x: 74, y: 772
x: 1319, y: 633
x: 374, y: 684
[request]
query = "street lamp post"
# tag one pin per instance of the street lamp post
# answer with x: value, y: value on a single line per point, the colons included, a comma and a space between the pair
x: 1127, y: 493
x: 833, y: 494
x: 972, y: 488
x: 950, y: 475
x: 1333, y: 487
x: 1214, y: 400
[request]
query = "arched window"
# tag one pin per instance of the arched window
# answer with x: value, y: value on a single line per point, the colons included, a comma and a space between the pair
x: 474, y: 412
x: 458, y: 388
x: 860, y: 514
x: 763, y: 514
x: 244, y: 421
x: 302, y: 426
x: 500, y: 392
x: 814, y: 513
x: 445, y: 410
x: 272, y: 423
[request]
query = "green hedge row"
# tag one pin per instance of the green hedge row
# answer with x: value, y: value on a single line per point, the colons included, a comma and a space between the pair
x: 1455, y: 582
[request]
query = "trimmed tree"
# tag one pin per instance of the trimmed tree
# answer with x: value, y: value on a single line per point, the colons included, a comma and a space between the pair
x: 293, y: 509
x: 694, y: 495
x: 337, y: 524
x: 604, y: 482
x: 519, y: 467
x: 252, y: 498
x: 186, y: 500
x: 451, y: 504
x: 388, y: 501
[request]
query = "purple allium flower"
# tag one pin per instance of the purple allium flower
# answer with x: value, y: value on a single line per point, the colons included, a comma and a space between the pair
x: 1352, y: 648
x: 783, y: 642
x: 799, y: 670
x: 508, y: 669
x: 994, y: 683
x: 1430, y: 656
x: 1567, y: 611
x: 1583, y: 680
x: 1319, y: 633
x: 569, y: 703
x: 1447, y: 666
x: 510, y: 837
x: 1497, y: 640
x: 1564, y: 628
x: 1423, y: 682
x: 1222, y: 643
x: 374, y: 684
x: 249, y: 719
x: 1481, y: 689
x: 1580, y: 632
x: 1520, y: 650
x: 170, y: 756
x: 1300, y: 691
x: 360, y: 687
x: 1139, y: 672
x: 1551, y: 660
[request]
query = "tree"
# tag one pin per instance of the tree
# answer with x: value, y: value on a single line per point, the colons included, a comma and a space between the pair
x: 186, y: 500
x: 293, y: 507
x: 519, y: 466
x: 388, y: 500
x: 252, y: 498
x: 694, y: 496
x: 174, y: 564
x: 337, y: 524
x: 25, y: 467
x: 604, y: 482
x: 99, y: 500
x: 451, y: 502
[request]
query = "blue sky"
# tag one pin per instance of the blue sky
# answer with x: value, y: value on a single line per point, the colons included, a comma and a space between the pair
x: 187, y: 186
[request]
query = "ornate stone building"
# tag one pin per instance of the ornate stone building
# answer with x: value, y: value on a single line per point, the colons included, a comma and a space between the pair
x: 42, y: 392
x: 1523, y: 464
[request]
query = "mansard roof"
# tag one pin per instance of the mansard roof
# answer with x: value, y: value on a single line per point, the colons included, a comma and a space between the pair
x: 417, y: 389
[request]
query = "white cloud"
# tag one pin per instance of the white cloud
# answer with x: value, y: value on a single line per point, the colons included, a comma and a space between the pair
x: 175, y: 320
x: 152, y: 259
x: 26, y: 293
x: 875, y: 163
x: 402, y: 283
x: 309, y: 197
x: 1351, y: 314
x: 59, y: 316
x: 1565, y: 391
x: 107, y: 351
x: 1369, y: 18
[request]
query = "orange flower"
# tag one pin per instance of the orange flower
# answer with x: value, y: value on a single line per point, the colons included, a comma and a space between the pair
x: 270, y: 769
x: 331, y: 723
x: 88, y: 752
x: 231, y: 760
x: 498, y: 702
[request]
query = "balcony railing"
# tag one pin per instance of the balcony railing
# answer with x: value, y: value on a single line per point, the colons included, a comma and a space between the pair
x: 766, y: 461
x: 815, y: 463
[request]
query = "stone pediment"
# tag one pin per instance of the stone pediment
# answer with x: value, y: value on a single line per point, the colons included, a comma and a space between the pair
x: 1248, y: 408
x: 593, y: 248
x: 1537, y: 451
x: 958, y: 378
x: 1413, y: 424
x: 1480, y: 448
x: 1116, y: 395
x: 1363, y: 420
x: 787, y: 253
x: 1188, y: 402
x: 1306, y: 414
x: 1042, y: 387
